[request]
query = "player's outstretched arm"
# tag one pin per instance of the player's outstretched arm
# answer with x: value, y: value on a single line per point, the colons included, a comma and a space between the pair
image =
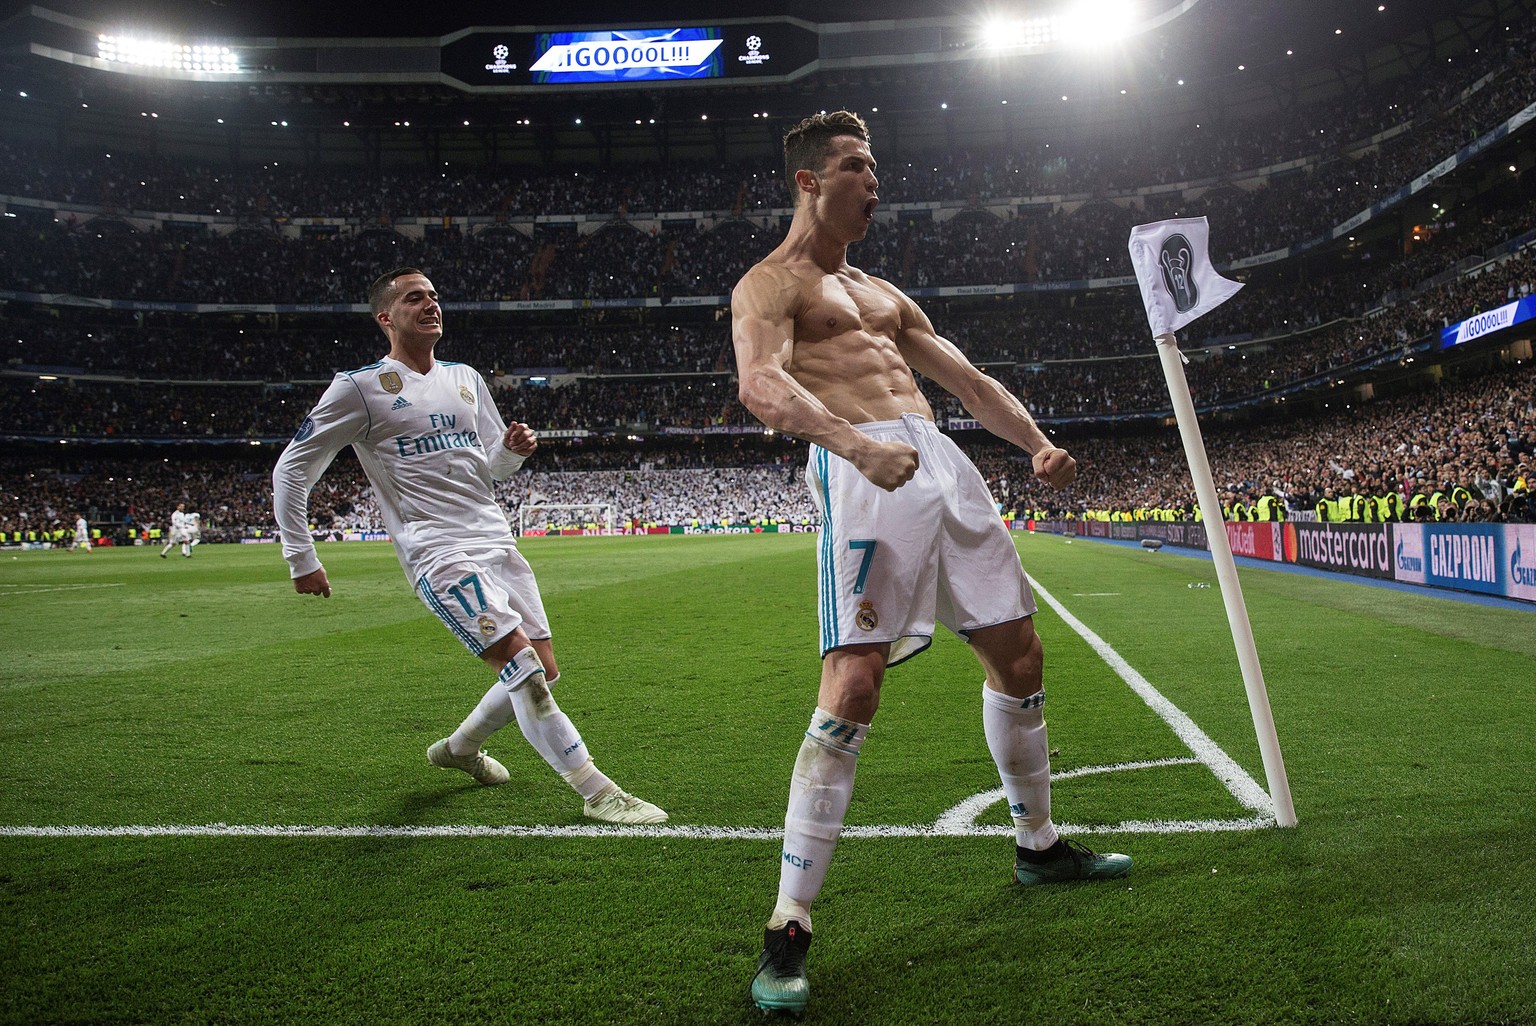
x: 762, y: 331
x: 983, y: 396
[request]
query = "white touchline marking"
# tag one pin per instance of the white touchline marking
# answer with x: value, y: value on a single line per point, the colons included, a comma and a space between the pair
x: 702, y: 833
x: 1236, y: 780
x: 33, y: 590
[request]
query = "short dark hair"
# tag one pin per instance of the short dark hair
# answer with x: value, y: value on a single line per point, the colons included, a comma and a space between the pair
x: 808, y: 144
x: 383, y: 285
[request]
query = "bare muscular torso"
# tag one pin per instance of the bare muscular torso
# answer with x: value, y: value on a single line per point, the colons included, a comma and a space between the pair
x: 845, y: 344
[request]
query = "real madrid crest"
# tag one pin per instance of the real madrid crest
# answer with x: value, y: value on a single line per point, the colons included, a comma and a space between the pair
x: 391, y: 382
x: 866, y: 617
x: 487, y: 626
x: 466, y: 395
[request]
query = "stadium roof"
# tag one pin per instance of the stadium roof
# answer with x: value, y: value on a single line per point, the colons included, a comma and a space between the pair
x: 397, y: 18
x: 412, y: 76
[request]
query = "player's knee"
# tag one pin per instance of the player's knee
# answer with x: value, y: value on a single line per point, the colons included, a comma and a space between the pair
x: 537, y: 690
x: 857, y: 697
x: 1021, y: 670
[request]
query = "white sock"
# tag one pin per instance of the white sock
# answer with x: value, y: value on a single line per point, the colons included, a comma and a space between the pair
x: 1016, y: 736
x: 819, y: 792
x: 549, y: 730
x: 493, y: 713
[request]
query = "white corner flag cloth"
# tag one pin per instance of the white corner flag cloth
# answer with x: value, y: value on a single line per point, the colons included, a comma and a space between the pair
x: 1178, y: 283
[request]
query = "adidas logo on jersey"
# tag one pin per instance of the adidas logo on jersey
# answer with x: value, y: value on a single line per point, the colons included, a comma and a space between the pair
x: 400, y: 403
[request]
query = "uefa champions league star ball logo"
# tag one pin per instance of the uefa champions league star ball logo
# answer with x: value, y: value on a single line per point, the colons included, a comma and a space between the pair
x: 501, y: 67
x: 754, y: 54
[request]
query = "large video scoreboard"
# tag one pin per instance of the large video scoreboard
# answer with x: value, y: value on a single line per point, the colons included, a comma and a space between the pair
x: 521, y: 59
x: 767, y: 49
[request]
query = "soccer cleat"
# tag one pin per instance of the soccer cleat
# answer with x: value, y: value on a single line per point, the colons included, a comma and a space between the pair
x: 780, y: 984
x: 482, y: 767
x: 1075, y: 862
x: 619, y: 806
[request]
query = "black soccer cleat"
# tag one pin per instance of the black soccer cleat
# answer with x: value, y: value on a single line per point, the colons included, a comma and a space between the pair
x: 780, y: 984
x: 1066, y: 861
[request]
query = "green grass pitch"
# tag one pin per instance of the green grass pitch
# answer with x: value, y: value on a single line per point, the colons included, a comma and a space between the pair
x: 149, y: 693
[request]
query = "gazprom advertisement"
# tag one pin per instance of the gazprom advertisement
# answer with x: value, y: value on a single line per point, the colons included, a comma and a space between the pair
x: 1489, y: 321
x: 627, y: 55
x: 1497, y: 559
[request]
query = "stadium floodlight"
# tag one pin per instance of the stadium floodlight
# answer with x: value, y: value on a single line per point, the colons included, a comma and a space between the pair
x: 1083, y: 24
x: 1089, y: 24
x: 166, y: 55
x: 1018, y: 33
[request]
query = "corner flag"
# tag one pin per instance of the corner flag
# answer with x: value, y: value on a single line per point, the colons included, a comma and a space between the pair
x: 1178, y: 283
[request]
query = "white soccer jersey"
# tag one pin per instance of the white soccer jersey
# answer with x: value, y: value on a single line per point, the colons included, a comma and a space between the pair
x: 178, y: 526
x: 194, y: 525
x: 82, y: 529
x: 431, y: 447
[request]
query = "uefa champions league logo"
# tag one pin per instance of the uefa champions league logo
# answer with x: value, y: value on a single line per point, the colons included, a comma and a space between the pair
x: 501, y: 67
x: 754, y: 54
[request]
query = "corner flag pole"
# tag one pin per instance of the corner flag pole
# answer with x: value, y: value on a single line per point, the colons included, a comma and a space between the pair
x: 1178, y: 285
x: 1226, y: 576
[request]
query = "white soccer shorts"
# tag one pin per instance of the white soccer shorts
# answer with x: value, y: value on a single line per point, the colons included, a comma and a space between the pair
x: 889, y: 564
x: 483, y: 597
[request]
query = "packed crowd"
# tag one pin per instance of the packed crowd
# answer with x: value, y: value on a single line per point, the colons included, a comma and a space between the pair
x: 1472, y: 443
x: 642, y: 378
x: 1035, y: 241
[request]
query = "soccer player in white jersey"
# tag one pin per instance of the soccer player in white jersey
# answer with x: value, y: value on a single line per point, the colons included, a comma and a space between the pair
x: 194, y: 531
x: 82, y: 534
x: 910, y: 534
x: 177, y: 535
x: 432, y: 443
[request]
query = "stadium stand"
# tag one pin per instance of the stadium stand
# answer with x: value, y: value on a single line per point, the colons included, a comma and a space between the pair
x: 159, y: 298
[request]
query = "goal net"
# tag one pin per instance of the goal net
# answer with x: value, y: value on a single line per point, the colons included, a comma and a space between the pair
x: 552, y: 518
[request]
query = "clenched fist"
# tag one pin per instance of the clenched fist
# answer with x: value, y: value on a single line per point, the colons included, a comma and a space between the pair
x: 1055, y: 467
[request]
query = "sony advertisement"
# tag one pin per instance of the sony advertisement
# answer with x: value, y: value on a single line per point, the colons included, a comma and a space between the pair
x: 766, y: 49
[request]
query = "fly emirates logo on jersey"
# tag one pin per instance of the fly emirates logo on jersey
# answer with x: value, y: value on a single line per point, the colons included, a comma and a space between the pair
x: 443, y: 434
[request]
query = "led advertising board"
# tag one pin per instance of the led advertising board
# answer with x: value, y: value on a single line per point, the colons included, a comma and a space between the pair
x: 755, y: 50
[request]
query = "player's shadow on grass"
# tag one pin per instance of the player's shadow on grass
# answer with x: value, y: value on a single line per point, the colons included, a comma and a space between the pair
x: 418, y: 806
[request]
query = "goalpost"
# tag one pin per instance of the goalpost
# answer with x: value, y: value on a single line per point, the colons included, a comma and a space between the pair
x: 566, y: 515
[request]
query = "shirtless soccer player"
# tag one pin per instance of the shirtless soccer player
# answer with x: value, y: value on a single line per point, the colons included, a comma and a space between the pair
x: 910, y: 534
